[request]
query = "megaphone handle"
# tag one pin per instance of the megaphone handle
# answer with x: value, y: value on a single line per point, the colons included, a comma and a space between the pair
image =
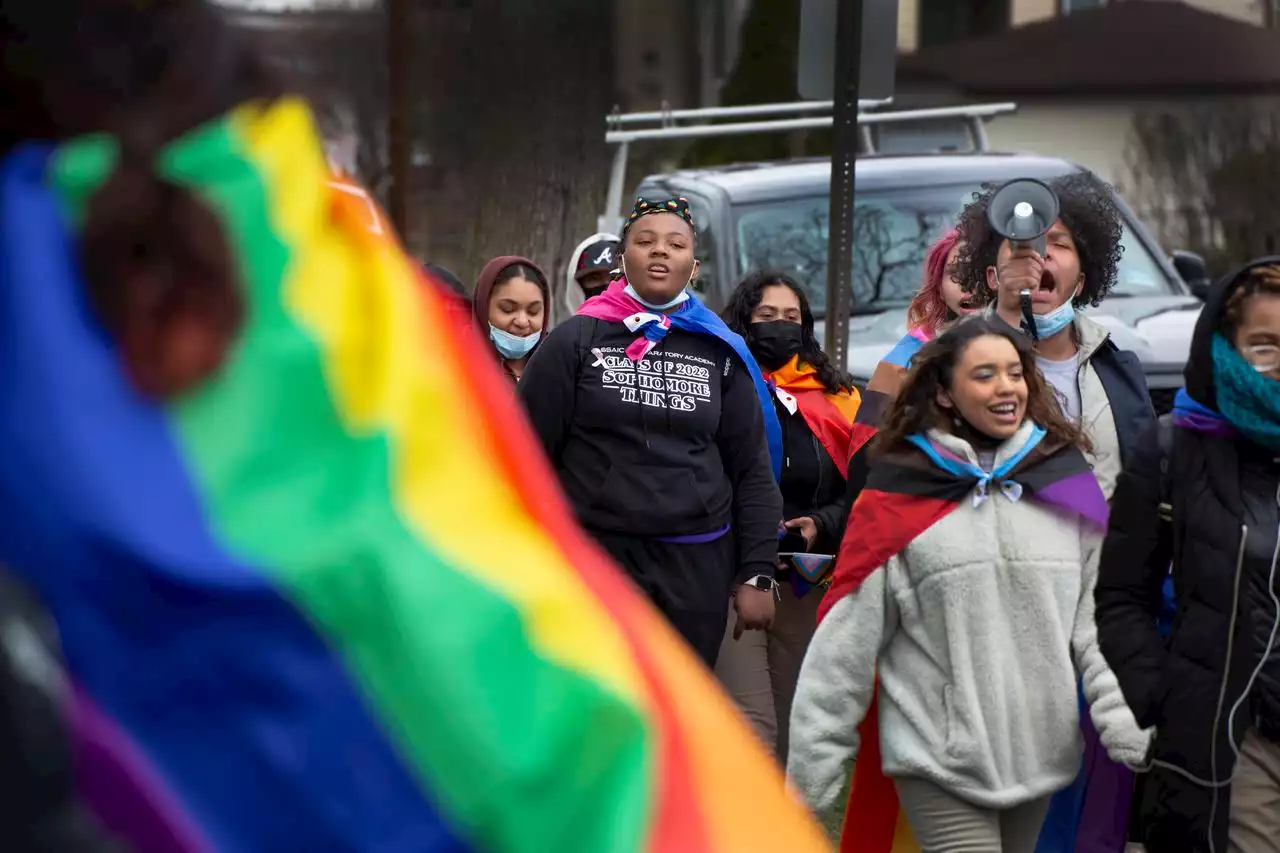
x: 1039, y: 244
x: 1028, y: 315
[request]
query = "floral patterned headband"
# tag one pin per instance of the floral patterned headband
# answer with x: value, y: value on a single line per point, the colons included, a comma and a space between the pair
x: 678, y: 206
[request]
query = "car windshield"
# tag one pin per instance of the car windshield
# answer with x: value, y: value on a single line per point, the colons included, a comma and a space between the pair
x: 893, y: 230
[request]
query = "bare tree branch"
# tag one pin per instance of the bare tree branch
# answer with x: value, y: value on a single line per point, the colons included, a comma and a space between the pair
x: 1207, y: 177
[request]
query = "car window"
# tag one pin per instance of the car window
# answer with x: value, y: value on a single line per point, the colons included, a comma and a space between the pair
x: 1139, y: 274
x: 704, y: 247
x: 892, y: 234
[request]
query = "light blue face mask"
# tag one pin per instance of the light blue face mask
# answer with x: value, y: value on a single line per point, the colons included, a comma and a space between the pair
x: 510, y: 346
x: 1048, y: 325
x: 682, y: 296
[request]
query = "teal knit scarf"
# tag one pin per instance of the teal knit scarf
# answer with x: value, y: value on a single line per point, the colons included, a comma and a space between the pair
x: 1248, y: 400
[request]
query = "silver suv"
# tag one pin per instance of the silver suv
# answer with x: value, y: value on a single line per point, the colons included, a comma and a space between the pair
x: 775, y: 215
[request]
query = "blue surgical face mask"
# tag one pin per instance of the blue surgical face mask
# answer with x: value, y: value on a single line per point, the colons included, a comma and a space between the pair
x: 510, y: 346
x: 1048, y: 325
x: 682, y: 296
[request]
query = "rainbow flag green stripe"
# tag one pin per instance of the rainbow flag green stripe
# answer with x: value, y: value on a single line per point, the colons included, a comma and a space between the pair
x: 404, y: 643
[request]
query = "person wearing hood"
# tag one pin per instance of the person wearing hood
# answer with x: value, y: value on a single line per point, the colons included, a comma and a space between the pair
x: 589, y: 270
x: 662, y: 431
x: 1099, y: 387
x: 816, y: 404
x: 1204, y: 490
x: 511, y: 298
x: 963, y: 599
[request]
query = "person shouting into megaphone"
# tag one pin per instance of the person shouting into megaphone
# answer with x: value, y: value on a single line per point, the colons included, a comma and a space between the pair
x: 1100, y: 387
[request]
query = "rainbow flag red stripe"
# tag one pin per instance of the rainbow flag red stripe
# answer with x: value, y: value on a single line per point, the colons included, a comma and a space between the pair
x: 333, y: 600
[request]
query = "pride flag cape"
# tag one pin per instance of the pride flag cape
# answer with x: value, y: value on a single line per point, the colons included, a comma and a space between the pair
x: 879, y: 394
x: 1196, y: 417
x: 829, y: 416
x: 907, y: 347
x: 331, y: 600
x: 615, y: 305
x: 907, y: 492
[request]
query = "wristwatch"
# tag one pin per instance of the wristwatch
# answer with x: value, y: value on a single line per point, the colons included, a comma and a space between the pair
x: 764, y: 583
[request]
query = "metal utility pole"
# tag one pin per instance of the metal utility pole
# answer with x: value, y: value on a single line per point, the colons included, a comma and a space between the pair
x: 843, y: 158
x: 399, y: 104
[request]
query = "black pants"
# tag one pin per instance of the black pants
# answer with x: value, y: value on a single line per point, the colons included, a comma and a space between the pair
x: 689, y: 584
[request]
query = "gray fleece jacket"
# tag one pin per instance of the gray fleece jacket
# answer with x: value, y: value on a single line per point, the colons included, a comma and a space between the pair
x: 977, y: 630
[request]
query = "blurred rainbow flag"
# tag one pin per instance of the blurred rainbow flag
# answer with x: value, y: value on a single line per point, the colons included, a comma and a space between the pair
x: 333, y: 600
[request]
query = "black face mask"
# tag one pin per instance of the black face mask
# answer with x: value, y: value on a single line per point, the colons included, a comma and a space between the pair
x: 589, y: 292
x: 774, y: 343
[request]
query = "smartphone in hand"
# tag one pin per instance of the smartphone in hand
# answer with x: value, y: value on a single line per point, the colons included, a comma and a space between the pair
x: 791, y: 542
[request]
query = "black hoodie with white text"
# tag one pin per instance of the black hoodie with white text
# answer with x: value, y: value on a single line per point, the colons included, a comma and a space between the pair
x: 672, y: 445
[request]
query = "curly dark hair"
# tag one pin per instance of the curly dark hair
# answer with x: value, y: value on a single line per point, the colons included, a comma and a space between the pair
x: 746, y: 296
x: 916, y: 408
x: 1088, y: 208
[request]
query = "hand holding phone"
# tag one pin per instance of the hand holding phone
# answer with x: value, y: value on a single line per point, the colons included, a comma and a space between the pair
x: 792, y: 542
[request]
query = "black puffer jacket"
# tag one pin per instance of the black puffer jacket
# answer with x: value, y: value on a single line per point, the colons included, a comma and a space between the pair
x: 1225, y: 515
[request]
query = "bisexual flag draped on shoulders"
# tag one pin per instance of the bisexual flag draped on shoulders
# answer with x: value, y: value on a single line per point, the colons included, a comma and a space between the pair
x: 615, y: 305
x: 332, y: 600
x: 907, y: 491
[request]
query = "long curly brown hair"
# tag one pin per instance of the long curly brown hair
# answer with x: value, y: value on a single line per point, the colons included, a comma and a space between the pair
x: 1088, y: 208
x: 916, y: 409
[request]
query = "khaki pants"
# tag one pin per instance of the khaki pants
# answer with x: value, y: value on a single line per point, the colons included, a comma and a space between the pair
x: 1255, y: 798
x: 943, y: 823
x: 761, y: 669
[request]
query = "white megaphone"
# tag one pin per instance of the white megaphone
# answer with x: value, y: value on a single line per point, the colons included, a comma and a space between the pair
x: 1022, y: 212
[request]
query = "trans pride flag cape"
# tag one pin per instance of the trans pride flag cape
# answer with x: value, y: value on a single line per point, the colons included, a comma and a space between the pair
x: 906, y: 493
x: 331, y: 600
x: 907, y: 347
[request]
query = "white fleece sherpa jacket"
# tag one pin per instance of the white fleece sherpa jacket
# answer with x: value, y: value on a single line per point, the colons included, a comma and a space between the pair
x: 972, y: 629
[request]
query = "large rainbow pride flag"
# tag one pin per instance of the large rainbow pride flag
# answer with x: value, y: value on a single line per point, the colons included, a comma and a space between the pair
x: 333, y: 600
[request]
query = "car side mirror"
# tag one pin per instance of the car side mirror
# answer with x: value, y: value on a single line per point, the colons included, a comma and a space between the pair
x: 1194, y: 271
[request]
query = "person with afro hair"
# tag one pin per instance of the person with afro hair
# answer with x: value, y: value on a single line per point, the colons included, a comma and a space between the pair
x: 1099, y: 386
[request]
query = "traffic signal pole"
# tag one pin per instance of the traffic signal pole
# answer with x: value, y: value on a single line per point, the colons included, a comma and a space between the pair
x: 844, y: 155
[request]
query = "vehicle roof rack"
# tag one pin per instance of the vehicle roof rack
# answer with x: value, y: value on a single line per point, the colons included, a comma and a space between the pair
x: 668, y: 117
x: 668, y: 129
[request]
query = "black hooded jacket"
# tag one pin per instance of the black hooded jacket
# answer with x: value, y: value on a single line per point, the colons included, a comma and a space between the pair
x: 671, y: 446
x: 1222, y: 538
